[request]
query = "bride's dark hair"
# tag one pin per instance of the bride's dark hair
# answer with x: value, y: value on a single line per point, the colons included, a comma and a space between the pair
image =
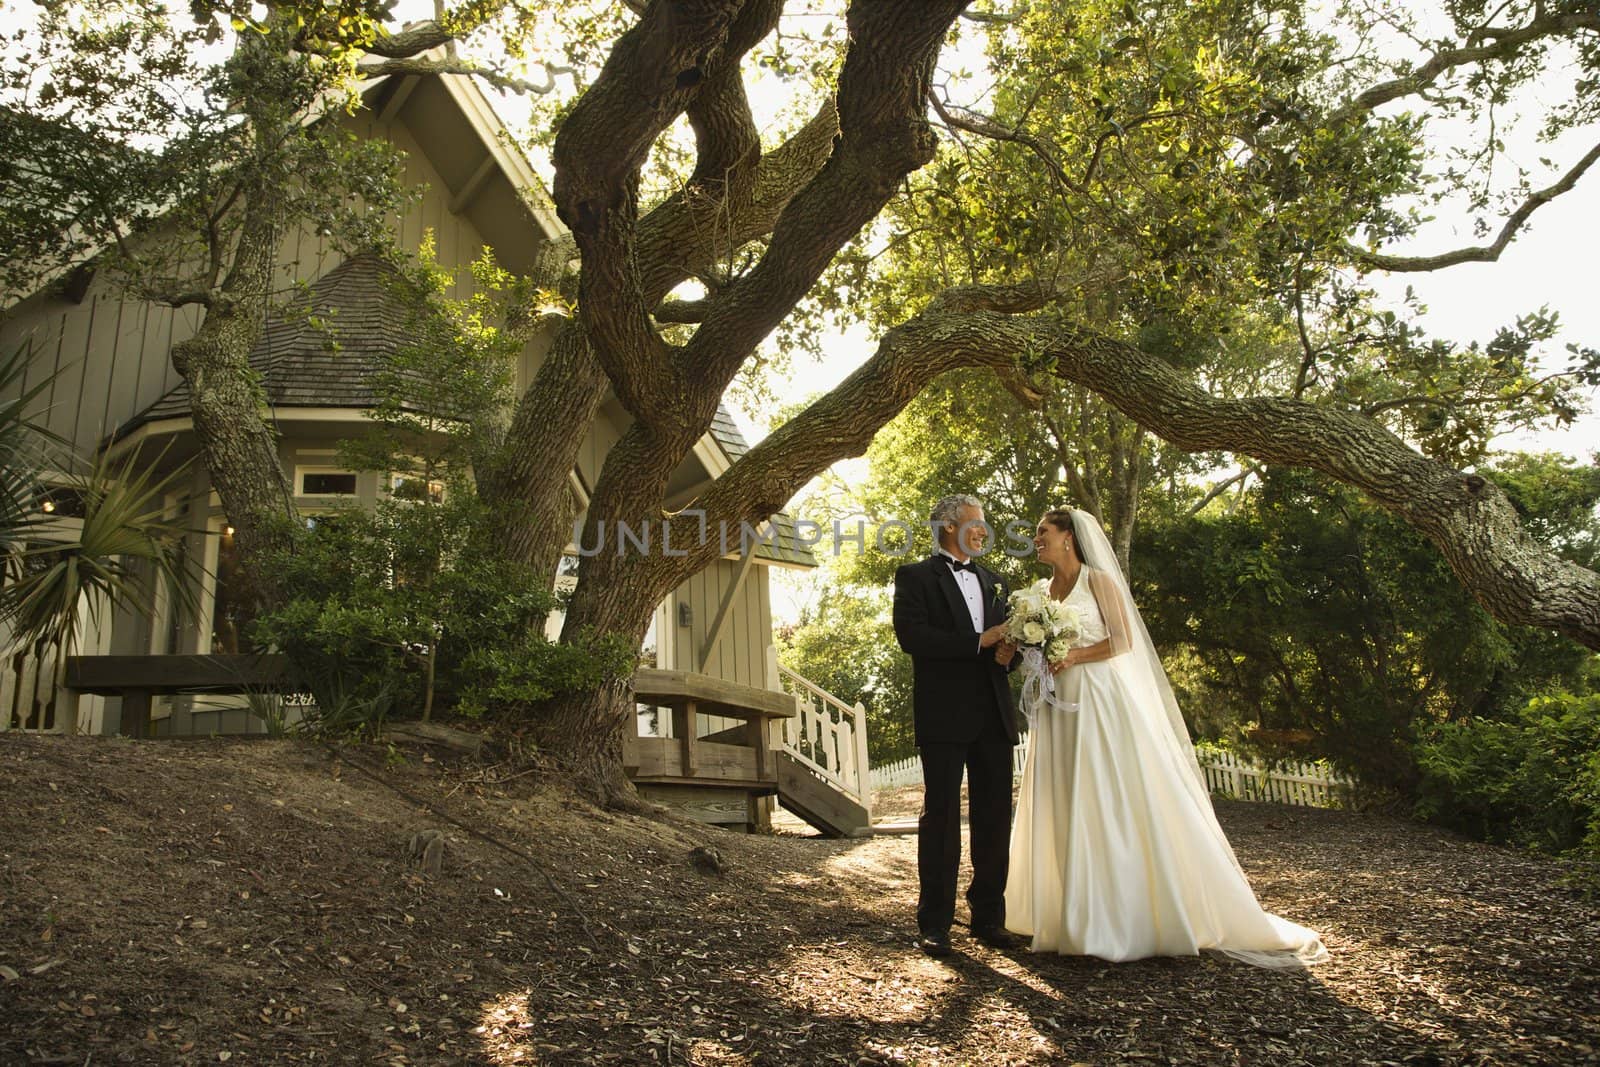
x: 1061, y: 519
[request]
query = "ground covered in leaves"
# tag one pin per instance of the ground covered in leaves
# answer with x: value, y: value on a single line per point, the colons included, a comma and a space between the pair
x: 254, y: 902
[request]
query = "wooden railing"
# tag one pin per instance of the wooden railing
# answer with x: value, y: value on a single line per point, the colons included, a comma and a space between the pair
x: 828, y: 736
x: 28, y: 695
x: 29, y: 698
x: 743, y: 760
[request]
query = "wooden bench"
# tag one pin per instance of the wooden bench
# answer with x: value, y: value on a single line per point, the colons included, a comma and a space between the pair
x: 138, y: 678
x: 710, y: 778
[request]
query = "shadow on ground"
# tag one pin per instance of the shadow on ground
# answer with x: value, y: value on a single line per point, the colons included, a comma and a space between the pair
x: 253, y: 902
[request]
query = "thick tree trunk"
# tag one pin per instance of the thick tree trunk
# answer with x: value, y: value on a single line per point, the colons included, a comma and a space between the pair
x: 617, y: 594
x: 529, y: 485
x: 238, y: 447
x: 582, y: 732
x: 529, y: 490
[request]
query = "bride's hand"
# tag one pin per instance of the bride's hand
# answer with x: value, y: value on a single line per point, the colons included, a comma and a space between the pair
x: 1059, y: 665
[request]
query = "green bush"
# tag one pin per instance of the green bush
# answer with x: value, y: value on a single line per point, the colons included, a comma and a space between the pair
x: 1533, y: 781
x: 404, y: 611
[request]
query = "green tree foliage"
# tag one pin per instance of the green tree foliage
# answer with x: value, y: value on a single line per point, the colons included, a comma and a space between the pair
x: 411, y: 604
x: 1311, y: 623
x: 128, y: 145
x: 1530, y: 780
x: 847, y: 646
x: 408, y: 607
x: 1190, y: 175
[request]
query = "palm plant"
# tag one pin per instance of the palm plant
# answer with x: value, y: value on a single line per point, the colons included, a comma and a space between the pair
x: 25, y: 450
x: 121, y: 547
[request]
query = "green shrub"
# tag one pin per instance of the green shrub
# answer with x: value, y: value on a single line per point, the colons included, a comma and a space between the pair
x: 404, y: 611
x: 1533, y: 781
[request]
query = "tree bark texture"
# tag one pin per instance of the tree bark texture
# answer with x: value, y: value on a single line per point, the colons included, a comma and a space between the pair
x: 584, y: 733
x: 679, y: 239
x: 1465, y: 516
x: 239, y: 448
x: 672, y: 392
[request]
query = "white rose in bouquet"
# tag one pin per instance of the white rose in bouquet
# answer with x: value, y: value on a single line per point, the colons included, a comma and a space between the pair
x: 1037, y: 620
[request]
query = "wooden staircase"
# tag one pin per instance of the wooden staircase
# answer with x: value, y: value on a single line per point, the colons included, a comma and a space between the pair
x: 812, y: 797
x: 822, y: 759
x: 796, y: 741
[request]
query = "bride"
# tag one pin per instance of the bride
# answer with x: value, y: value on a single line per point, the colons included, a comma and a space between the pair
x: 1115, y: 851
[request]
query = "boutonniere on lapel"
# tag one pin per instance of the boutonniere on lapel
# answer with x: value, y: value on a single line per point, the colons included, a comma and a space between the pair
x: 995, y: 591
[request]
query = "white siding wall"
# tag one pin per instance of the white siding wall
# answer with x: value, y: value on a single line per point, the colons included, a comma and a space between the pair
x: 111, y: 354
x: 740, y: 654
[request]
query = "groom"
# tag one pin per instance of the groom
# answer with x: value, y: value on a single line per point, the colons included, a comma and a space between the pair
x: 949, y: 615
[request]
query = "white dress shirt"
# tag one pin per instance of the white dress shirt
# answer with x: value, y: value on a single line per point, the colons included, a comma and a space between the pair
x: 971, y: 592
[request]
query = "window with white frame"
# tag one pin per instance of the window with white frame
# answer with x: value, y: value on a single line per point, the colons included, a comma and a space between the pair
x: 324, y: 481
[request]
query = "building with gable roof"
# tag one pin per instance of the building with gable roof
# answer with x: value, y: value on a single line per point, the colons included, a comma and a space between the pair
x: 114, y: 387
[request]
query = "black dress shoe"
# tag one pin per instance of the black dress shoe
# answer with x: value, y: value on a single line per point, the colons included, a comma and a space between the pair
x: 997, y: 938
x: 937, y: 945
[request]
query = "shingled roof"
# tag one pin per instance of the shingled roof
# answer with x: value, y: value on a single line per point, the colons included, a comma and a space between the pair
x: 326, y: 358
x: 358, y: 314
x: 788, y: 549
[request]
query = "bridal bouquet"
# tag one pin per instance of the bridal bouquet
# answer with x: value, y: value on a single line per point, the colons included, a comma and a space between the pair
x: 1046, y: 628
x: 1040, y: 622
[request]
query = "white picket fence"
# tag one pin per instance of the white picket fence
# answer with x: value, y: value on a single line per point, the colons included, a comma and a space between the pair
x: 1311, y: 785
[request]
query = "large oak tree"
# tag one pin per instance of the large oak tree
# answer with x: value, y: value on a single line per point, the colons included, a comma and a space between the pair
x: 1289, y: 136
x: 682, y: 57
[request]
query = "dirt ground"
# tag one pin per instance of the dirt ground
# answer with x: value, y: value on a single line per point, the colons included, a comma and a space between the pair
x: 249, y: 902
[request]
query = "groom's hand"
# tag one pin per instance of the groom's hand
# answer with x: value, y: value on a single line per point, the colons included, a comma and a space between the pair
x: 1004, y: 653
x: 992, y: 636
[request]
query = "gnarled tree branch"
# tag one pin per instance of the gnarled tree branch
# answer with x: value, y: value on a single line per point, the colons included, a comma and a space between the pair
x: 1504, y: 43
x: 883, y: 136
x: 682, y: 236
x: 1482, y: 253
x: 411, y: 41
x: 494, y: 77
x: 654, y: 71
x: 1465, y: 516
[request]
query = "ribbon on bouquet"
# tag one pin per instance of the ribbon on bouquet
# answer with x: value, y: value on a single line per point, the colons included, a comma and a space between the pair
x: 1039, y: 687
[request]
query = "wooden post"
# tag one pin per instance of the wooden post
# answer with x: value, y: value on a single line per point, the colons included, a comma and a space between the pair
x: 135, y: 713
x: 66, y: 709
x: 686, y: 718
x: 863, y: 767
x: 756, y: 730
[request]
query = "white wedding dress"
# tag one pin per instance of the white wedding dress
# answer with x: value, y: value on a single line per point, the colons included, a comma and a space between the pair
x: 1115, y: 851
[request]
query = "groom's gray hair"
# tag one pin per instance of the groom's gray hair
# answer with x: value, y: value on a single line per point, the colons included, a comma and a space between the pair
x: 949, y: 508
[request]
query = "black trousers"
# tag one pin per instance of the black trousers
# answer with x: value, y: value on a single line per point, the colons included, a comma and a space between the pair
x: 987, y: 763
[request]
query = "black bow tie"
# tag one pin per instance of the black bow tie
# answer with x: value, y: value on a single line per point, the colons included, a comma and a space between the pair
x: 958, y: 566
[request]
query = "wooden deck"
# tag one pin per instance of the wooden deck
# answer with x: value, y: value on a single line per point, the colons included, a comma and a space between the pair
x: 718, y: 778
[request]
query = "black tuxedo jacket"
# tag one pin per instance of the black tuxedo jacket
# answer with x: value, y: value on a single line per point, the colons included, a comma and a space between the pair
x: 955, y: 685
